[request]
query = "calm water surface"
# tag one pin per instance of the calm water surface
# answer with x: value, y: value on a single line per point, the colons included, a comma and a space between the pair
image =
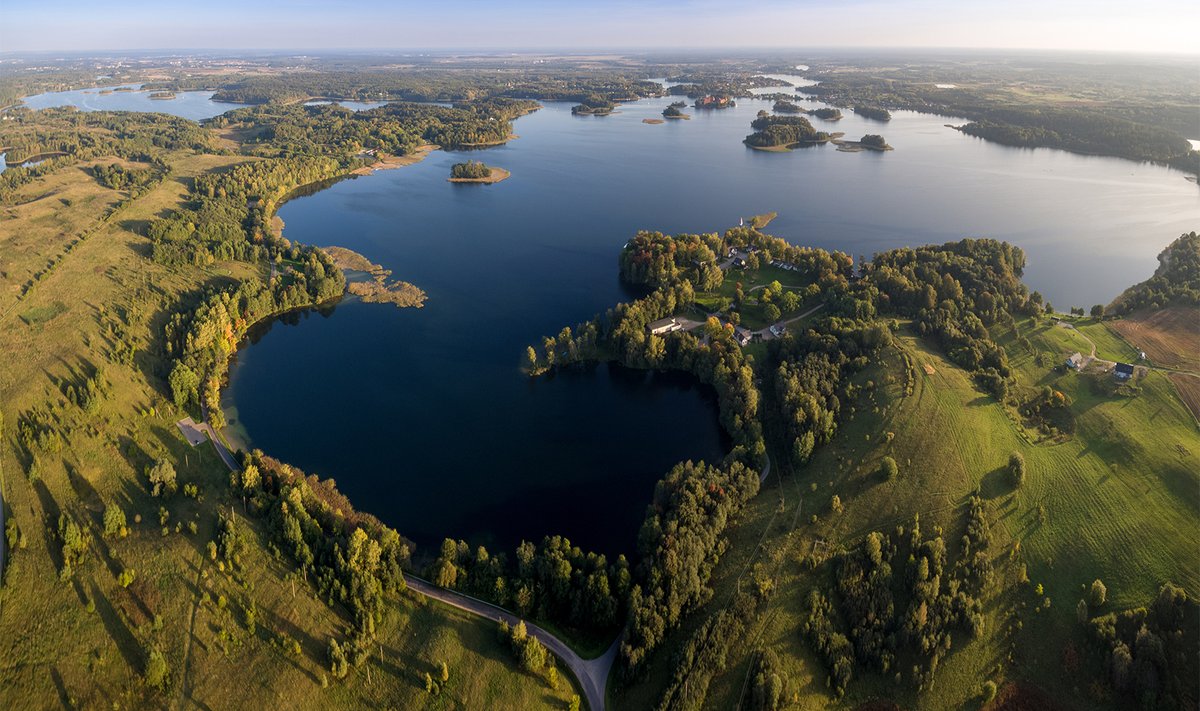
x: 422, y: 415
x: 194, y: 105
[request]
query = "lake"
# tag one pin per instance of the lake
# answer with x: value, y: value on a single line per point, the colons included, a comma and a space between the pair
x: 194, y: 105
x: 423, y: 417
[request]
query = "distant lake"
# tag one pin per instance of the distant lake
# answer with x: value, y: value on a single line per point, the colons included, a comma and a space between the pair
x: 344, y: 103
x: 423, y: 417
x: 194, y: 105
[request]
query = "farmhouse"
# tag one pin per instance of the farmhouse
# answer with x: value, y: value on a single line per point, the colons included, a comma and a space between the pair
x: 1075, y: 362
x: 743, y: 335
x: 664, y: 325
x: 1123, y: 371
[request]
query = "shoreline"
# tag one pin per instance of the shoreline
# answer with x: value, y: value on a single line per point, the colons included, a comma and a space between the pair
x: 390, y: 162
x: 496, y: 176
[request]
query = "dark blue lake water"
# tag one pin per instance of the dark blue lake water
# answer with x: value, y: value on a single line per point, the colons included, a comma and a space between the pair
x: 423, y: 417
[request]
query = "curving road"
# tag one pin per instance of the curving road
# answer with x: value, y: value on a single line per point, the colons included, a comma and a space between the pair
x: 591, y: 673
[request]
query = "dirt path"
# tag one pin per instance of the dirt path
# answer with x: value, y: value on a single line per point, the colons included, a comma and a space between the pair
x: 187, y: 650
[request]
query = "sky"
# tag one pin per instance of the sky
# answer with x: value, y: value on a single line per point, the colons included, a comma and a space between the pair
x: 1156, y: 26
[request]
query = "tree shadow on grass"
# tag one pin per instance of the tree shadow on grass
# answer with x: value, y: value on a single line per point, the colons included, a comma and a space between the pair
x: 310, y: 645
x: 995, y: 483
x: 64, y: 697
x: 50, y: 514
x: 121, y: 635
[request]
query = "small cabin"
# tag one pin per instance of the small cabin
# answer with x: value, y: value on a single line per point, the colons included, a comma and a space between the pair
x: 1123, y: 371
x: 743, y: 335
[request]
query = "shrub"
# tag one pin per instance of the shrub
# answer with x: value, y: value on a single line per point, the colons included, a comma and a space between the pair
x: 888, y: 468
x: 988, y: 691
x: 114, y: 521
x: 156, y: 670
x: 1097, y: 594
x: 1016, y: 468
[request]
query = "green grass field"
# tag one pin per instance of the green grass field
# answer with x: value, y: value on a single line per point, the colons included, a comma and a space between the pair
x: 1119, y: 501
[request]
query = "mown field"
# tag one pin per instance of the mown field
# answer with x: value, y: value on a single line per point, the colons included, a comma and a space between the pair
x: 257, y: 638
x: 1119, y: 500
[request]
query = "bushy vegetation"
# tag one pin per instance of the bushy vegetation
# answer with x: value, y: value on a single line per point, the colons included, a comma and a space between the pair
x: 470, y: 170
x: 555, y: 581
x: 899, y: 596
x: 351, y: 559
x: 1148, y: 653
x: 397, y: 128
x: 954, y: 292
x: 873, y: 112
x: 772, y: 131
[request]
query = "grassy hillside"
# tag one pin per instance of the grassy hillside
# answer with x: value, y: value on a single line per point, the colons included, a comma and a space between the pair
x: 1119, y: 501
x: 258, y: 637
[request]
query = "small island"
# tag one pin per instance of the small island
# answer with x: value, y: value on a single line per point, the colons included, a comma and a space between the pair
x: 873, y: 112
x: 783, y: 133
x: 783, y: 106
x: 474, y: 171
x: 163, y: 95
x: 653, y: 121
x: 673, y: 111
x: 715, y: 102
x: 869, y: 142
x: 594, y: 105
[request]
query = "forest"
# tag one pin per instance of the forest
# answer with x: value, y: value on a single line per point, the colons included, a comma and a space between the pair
x: 1128, y: 113
x: 470, y: 170
x: 396, y: 128
x: 772, y: 131
x: 1176, y: 281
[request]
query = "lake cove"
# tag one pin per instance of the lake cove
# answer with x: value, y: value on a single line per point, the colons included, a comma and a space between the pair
x: 423, y: 416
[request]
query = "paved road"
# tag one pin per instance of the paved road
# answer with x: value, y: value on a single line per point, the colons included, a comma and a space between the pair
x: 222, y: 451
x: 591, y: 673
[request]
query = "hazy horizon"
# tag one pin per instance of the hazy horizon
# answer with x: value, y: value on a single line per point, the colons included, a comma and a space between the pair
x: 1154, y: 27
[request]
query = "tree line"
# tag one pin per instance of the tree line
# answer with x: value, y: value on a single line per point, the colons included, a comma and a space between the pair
x: 1175, y: 281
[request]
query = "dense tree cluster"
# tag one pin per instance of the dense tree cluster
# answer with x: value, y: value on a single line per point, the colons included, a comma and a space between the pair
x: 555, y: 581
x: 653, y: 259
x: 1149, y: 653
x: 707, y: 649
x: 594, y: 104
x: 118, y: 177
x: 954, y: 292
x: 873, y: 112
x: 64, y: 136
x: 782, y: 131
x: 873, y: 140
x: 201, y: 340
x: 899, y: 597
x: 228, y: 214
x: 1138, y: 123
x: 349, y: 557
x: 1176, y: 281
x: 680, y: 543
x: 422, y: 85
x: 470, y: 170
x: 697, y: 84
x: 397, y: 128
